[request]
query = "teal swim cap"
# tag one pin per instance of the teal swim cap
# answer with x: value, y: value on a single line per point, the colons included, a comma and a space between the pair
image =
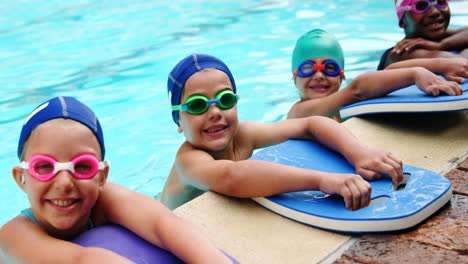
x: 317, y: 43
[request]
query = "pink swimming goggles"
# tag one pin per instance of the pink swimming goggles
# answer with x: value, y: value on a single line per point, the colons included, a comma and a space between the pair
x: 418, y: 6
x: 44, y: 168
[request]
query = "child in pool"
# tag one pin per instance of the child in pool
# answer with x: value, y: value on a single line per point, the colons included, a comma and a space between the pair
x: 215, y: 155
x: 64, y: 175
x: 318, y: 70
x: 427, y: 35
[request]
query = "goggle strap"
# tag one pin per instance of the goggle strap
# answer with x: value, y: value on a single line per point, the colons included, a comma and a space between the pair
x: 24, y: 165
x: 103, y: 164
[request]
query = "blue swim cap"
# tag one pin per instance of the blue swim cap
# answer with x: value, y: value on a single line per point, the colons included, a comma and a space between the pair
x: 186, y: 68
x: 61, y: 107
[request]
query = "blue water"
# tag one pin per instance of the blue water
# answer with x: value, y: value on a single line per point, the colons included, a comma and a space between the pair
x: 115, y: 56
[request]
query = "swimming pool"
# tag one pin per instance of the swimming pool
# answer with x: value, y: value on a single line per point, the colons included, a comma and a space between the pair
x: 115, y: 56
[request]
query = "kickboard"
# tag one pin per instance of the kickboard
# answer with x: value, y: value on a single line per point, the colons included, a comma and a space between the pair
x: 408, y: 100
x: 420, y: 194
x: 122, y: 241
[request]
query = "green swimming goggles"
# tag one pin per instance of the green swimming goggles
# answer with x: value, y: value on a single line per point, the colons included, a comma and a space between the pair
x: 198, y: 104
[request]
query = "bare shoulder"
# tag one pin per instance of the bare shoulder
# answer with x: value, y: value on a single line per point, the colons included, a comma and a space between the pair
x: 7, y: 229
x: 248, y: 132
x: 18, y: 223
x: 298, y: 109
x: 247, y: 128
x: 35, y: 244
x: 324, y: 106
x: 187, y: 154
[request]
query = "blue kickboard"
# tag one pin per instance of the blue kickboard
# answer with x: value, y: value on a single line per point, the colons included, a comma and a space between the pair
x: 408, y: 100
x: 425, y: 192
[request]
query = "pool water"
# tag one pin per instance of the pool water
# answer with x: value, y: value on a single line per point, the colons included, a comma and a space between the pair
x: 115, y: 57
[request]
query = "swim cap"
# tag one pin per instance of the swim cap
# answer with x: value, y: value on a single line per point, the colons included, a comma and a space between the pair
x: 186, y: 68
x: 61, y: 107
x: 315, y: 44
x: 399, y: 4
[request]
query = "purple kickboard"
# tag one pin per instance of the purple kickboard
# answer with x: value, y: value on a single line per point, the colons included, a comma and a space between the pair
x: 125, y: 243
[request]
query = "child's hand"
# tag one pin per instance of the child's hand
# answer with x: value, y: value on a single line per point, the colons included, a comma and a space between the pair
x: 455, y: 69
x: 374, y: 164
x: 407, y: 45
x: 354, y: 189
x: 429, y: 83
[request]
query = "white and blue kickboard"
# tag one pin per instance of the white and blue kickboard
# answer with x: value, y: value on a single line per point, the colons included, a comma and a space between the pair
x: 393, y: 208
x: 408, y: 100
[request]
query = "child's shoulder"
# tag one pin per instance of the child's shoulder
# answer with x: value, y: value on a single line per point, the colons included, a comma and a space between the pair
x: 248, y: 129
x: 188, y: 151
x: 19, y: 222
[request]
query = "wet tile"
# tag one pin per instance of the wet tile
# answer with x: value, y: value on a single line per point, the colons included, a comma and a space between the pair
x: 463, y: 165
x: 457, y: 208
x: 382, y: 249
x: 442, y: 232
x: 459, y: 180
x: 442, y: 238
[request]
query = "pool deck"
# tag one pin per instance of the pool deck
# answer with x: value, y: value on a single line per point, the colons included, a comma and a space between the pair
x: 438, y: 142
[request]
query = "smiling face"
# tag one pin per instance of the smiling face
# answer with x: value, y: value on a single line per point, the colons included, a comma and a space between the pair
x: 318, y: 85
x: 63, y: 204
x: 431, y: 25
x: 213, y: 130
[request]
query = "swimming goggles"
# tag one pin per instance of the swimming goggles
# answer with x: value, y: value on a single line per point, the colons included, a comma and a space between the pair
x: 198, y: 103
x: 44, y: 168
x: 309, y: 68
x: 422, y: 6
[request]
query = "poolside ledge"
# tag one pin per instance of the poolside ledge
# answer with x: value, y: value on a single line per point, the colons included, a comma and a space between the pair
x: 252, y: 234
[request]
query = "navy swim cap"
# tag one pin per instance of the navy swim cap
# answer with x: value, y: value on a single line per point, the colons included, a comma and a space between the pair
x: 186, y: 68
x: 61, y: 107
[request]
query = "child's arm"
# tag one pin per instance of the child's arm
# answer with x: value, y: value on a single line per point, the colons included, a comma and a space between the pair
x: 394, y: 57
x: 28, y: 243
x: 254, y: 178
x: 151, y: 220
x: 453, y: 69
x: 453, y: 31
x: 375, y: 84
x: 455, y: 40
x: 369, y: 163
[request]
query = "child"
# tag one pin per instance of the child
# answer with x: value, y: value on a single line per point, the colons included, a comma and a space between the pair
x: 318, y: 70
x: 215, y: 155
x: 425, y: 23
x: 63, y: 173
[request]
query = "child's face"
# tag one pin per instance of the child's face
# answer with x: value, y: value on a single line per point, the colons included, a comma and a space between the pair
x: 63, y: 203
x: 318, y: 85
x: 214, y: 129
x: 431, y: 25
